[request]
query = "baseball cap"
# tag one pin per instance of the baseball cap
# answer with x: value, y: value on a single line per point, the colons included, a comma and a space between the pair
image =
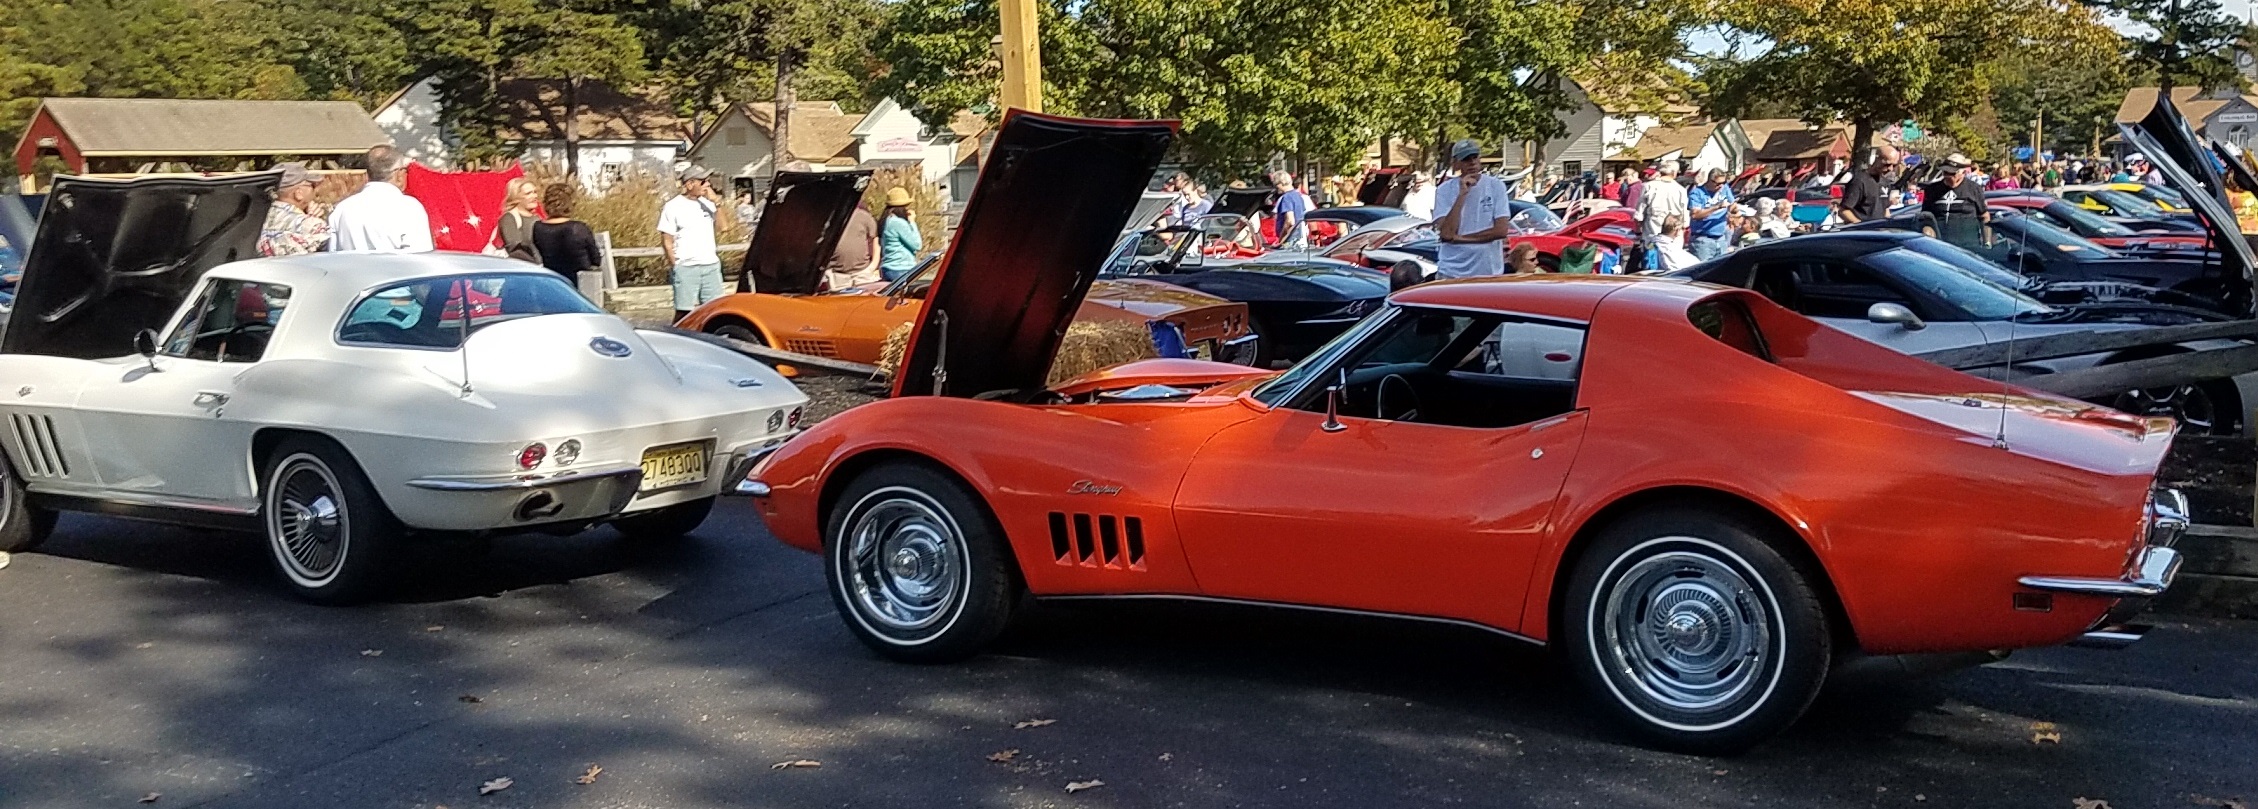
x: 696, y: 173
x: 294, y: 174
x: 1465, y: 149
x: 1958, y: 161
x: 2135, y: 158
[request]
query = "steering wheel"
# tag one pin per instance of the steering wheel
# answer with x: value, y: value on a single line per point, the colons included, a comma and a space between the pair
x: 373, y: 331
x: 1398, y: 400
x: 257, y: 334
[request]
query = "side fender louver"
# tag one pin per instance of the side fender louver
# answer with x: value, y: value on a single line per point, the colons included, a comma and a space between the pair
x: 1098, y: 540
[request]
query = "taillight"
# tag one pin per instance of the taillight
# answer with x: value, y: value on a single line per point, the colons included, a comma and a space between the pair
x: 567, y: 452
x: 531, y: 456
x: 794, y: 420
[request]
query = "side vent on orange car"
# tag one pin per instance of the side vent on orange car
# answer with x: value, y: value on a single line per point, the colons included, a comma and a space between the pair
x: 812, y: 348
x: 1098, y: 540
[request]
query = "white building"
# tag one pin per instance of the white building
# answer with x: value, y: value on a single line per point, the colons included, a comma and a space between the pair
x: 620, y: 133
x: 1698, y: 147
x: 1600, y: 131
x: 741, y: 145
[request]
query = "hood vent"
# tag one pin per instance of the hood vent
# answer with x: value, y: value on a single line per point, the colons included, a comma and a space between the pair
x: 1098, y: 540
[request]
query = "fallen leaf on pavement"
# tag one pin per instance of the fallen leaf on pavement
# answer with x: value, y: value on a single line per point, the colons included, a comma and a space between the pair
x: 144, y: 645
x: 1077, y: 786
x: 434, y: 627
x: 372, y: 652
x: 2222, y: 803
x: 472, y: 699
x: 2045, y: 736
x: 798, y: 763
x: 1002, y: 756
x: 151, y: 797
x: 4, y: 560
x: 495, y: 785
x: 1033, y: 723
x: 1167, y: 756
x: 1919, y: 798
x: 589, y: 777
x: 2089, y: 803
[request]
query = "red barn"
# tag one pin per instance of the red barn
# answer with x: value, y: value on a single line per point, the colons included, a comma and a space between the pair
x: 164, y: 135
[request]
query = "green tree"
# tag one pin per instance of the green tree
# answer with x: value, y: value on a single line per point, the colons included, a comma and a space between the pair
x: 718, y: 52
x: 573, y: 47
x: 2184, y: 42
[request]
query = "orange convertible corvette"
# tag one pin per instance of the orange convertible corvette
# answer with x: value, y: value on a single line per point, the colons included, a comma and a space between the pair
x: 1705, y: 500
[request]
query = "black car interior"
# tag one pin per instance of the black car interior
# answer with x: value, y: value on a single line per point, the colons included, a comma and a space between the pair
x: 232, y: 322
x: 1822, y: 288
x: 1457, y: 369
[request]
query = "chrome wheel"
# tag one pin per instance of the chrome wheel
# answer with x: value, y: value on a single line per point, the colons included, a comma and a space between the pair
x: 904, y: 565
x: 2191, y: 405
x: 306, y: 521
x: 1685, y: 632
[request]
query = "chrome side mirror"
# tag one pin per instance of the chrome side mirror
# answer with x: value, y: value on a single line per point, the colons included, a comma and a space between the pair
x: 145, y: 344
x: 1895, y: 313
x: 1333, y: 404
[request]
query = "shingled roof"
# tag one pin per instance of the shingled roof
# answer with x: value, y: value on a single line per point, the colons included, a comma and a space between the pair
x: 120, y: 127
x: 2193, y: 103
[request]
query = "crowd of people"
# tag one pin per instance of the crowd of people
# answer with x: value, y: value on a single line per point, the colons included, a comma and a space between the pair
x: 536, y: 225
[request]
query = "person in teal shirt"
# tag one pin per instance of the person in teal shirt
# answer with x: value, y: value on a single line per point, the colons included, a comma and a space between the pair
x: 898, y: 239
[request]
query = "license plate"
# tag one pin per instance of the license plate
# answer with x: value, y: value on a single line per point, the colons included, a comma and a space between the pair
x: 674, y: 465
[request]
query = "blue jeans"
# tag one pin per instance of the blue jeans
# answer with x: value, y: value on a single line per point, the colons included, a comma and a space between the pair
x: 1709, y: 247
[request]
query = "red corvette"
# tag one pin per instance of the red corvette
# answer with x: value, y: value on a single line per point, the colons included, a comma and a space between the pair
x: 1706, y: 500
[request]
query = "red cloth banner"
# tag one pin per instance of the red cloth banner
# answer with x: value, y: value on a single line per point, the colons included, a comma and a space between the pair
x: 465, y: 206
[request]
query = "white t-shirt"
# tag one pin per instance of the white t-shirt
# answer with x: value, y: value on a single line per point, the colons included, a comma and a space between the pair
x: 379, y: 219
x: 690, y: 221
x: 1485, y: 205
x: 1420, y: 201
x: 1660, y: 199
x: 1674, y: 255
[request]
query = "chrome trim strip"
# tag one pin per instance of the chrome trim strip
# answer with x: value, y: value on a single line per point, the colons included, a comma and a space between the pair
x: 517, y: 483
x: 750, y: 488
x: 1246, y: 602
x: 2157, y: 567
x: 1242, y: 339
x: 167, y: 501
x: 2113, y: 637
x: 2167, y: 517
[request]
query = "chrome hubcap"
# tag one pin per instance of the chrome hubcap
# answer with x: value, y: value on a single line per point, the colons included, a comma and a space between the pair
x: 904, y: 564
x: 307, y: 521
x: 1686, y: 631
x: 2191, y: 405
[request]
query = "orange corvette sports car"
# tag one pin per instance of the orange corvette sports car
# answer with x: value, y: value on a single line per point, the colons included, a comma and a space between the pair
x: 1705, y: 500
x: 852, y: 324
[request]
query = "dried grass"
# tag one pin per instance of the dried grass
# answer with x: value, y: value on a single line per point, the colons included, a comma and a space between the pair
x: 1087, y: 347
x: 629, y: 211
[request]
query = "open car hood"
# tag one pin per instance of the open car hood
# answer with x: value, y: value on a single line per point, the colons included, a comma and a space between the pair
x: 2180, y: 155
x: 113, y: 257
x: 1050, y: 202
x: 800, y: 227
x: 1149, y: 208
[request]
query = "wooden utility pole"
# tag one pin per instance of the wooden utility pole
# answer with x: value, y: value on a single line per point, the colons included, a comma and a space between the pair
x: 1022, y: 57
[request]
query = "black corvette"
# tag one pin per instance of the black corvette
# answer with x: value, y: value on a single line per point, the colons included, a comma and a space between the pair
x: 2062, y: 260
x: 1295, y: 302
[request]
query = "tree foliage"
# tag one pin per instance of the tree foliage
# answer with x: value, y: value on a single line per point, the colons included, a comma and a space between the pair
x: 2183, y: 42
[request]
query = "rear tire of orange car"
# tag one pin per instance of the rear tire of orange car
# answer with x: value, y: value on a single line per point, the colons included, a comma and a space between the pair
x: 1695, y: 631
x: 741, y: 333
x: 328, y: 533
x: 916, y: 565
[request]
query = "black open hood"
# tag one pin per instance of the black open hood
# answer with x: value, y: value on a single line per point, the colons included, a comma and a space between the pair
x: 799, y: 228
x: 1242, y: 201
x: 2175, y: 150
x: 113, y: 257
x: 1051, y: 201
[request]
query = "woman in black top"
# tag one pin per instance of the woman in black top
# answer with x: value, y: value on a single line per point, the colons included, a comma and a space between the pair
x: 567, y: 246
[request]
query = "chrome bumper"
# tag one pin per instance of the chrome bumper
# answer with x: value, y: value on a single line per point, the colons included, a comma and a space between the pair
x: 492, y: 483
x: 2152, y: 573
x: 741, y: 471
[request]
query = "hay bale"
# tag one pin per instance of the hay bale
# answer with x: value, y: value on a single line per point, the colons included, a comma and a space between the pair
x: 1087, y: 347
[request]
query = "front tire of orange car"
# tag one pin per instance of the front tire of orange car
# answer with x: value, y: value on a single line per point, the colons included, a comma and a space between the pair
x: 917, y: 567
x: 1696, y: 631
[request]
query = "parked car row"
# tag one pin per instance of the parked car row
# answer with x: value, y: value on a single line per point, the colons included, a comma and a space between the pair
x: 1537, y: 457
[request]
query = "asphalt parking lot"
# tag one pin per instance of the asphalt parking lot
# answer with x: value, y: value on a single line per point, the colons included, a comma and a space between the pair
x: 143, y: 661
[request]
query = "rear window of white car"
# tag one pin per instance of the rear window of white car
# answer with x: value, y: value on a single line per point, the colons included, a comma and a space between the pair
x: 429, y: 312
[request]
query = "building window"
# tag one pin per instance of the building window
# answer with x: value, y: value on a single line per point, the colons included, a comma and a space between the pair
x: 610, y: 173
x: 735, y: 135
x: 1572, y: 168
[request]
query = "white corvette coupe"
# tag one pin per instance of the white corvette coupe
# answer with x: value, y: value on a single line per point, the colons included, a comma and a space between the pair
x: 345, y: 403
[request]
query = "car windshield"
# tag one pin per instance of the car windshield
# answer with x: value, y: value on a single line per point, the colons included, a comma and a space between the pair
x: 2170, y: 195
x: 1986, y: 294
x: 429, y: 312
x: 2084, y: 221
x: 1534, y: 219
x: 1416, y: 233
x: 1276, y: 390
x: 2127, y: 204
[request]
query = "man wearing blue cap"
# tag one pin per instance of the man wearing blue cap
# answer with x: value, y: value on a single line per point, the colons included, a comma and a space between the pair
x: 1477, y: 215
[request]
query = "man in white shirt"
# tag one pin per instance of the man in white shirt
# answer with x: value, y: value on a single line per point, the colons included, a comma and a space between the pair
x: 1476, y: 213
x: 1660, y: 199
x: 1420, y: 200
x: 380, y: 218
x: 686, y: 227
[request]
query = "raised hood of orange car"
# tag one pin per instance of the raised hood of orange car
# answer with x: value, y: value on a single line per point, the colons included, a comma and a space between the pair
x: 1052, y: 196
x: 800, y: 227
